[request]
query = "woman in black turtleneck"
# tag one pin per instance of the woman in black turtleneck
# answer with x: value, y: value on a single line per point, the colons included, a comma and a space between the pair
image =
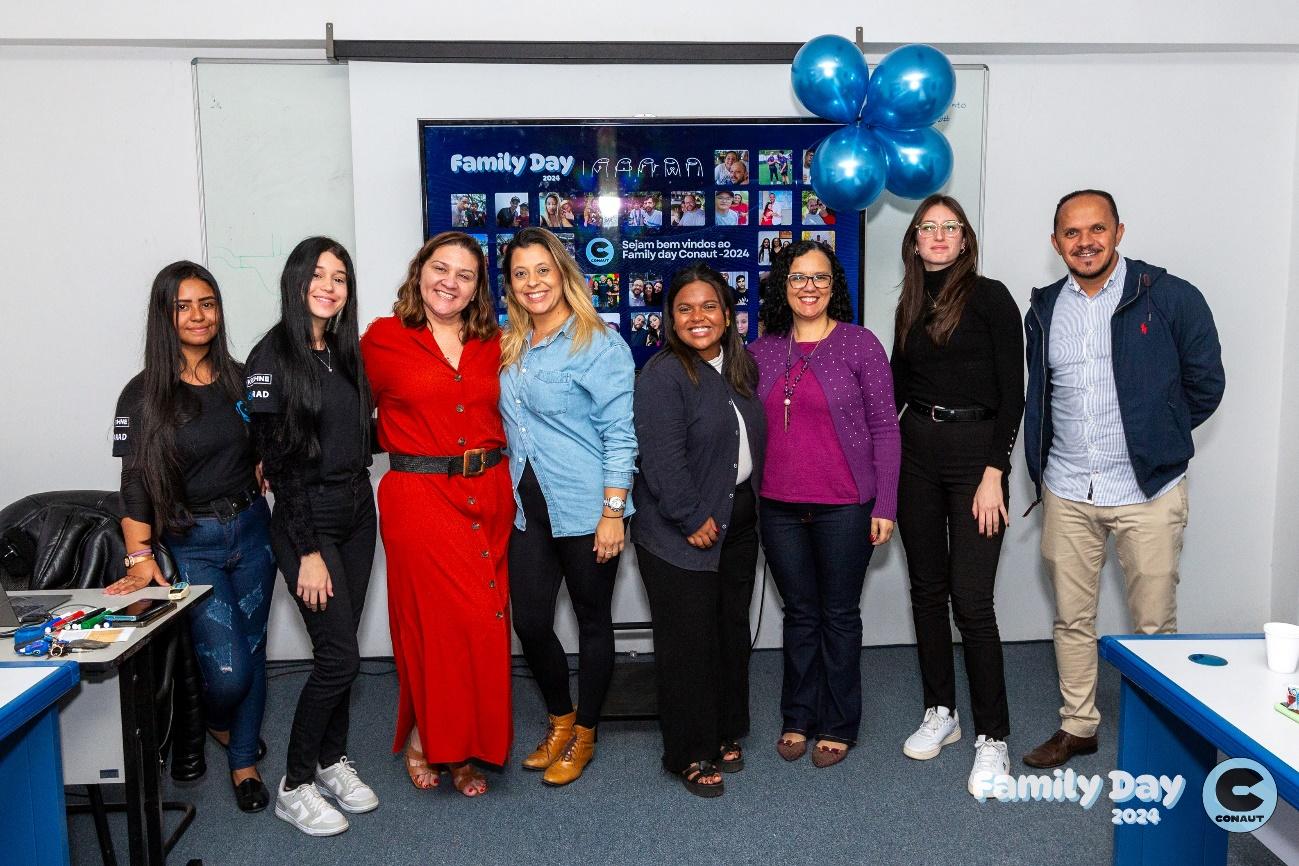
x: 958, y: 373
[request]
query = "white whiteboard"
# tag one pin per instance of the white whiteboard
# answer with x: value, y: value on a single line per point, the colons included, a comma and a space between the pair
x: 275, y: 144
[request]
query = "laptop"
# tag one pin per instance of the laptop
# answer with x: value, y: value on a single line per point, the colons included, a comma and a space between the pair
x: 18, y: 609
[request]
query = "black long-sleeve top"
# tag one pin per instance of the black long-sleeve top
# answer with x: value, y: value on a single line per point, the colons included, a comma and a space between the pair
x: 213, y: 446
x: 343, y: 454
x: 982, y: 364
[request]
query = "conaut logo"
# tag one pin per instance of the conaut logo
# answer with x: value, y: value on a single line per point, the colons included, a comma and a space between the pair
x: 600, y: 251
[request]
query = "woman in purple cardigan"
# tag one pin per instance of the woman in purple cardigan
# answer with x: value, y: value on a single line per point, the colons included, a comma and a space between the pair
x: 829, y: 488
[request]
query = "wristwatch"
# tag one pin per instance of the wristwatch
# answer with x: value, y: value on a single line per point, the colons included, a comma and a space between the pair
x: 615, y: 503
x: 133, y: 558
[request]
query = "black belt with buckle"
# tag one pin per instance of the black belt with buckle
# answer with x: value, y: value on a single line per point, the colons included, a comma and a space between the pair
x: 943, y: 413
x: 227, y: 507
x: 472, y: 463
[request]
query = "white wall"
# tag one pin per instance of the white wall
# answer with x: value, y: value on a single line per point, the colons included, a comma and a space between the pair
x: 995, y: 22
x: 1285, y: 548
x: 99, y: 176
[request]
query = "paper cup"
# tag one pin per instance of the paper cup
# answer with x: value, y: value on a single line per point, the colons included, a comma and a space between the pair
x: 1282, y: 639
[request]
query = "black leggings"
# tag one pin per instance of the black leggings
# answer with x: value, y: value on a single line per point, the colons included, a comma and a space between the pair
x: 345, y: 522
x: 539, y: 563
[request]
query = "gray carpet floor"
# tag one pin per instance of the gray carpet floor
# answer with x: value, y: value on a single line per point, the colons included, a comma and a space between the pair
x: 876, y: 807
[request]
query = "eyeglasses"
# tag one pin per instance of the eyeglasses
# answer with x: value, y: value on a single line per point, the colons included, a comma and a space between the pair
x: 929, y: 228
x: 821, y: 281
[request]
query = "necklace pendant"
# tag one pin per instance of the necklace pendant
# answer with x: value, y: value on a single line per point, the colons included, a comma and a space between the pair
x: 786, y: 413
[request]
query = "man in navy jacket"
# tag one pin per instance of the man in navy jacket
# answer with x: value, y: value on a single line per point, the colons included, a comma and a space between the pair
x: 1123, y: 363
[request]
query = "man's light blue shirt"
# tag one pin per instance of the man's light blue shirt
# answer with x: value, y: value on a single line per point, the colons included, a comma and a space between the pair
x: 569, y: 414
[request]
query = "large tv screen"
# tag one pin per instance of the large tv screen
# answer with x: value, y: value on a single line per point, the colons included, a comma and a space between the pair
x: 634, y: 201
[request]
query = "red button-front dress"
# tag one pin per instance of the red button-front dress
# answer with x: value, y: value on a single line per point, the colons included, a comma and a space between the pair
x: 445, y: 539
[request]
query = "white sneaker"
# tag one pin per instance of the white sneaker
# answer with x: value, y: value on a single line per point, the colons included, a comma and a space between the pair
x: 304, y: 808
x: 990, y: 760
x: 941, y: 727
x: 340, y: 782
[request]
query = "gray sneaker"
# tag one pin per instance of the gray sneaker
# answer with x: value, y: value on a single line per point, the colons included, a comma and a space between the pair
x: 340, y: 783
x: 304, y: 808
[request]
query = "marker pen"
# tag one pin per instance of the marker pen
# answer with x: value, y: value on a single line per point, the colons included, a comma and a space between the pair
x: 60, y: 623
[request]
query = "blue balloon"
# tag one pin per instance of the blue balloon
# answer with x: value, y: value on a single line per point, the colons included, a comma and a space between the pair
x: 912, y: 87
x: 849, y: 168
x: 829, y: 75
x: 919, y: 160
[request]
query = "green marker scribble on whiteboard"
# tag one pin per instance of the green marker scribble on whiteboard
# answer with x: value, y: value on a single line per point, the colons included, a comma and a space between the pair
x: 265, y: 267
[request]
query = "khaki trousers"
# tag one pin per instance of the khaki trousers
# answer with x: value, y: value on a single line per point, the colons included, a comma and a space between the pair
x: 1148, y: 537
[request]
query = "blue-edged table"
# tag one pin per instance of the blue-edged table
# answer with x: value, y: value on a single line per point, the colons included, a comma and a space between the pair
x: 32, y: 821
x: 1174, y: 717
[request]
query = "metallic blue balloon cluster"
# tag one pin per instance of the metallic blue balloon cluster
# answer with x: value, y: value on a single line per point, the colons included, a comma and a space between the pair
x: 889, y: 140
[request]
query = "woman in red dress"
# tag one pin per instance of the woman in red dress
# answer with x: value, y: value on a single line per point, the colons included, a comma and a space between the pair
x: 445, y: 512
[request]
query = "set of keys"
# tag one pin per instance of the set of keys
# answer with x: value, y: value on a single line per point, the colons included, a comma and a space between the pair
x: 55, y: 648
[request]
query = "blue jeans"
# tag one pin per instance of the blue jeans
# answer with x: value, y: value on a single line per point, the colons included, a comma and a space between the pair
x: 818, y: 556
x: 229, y: 628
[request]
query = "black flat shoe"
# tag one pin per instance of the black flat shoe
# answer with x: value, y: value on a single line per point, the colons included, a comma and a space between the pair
x: 261, y: 746
x: 251, y: 795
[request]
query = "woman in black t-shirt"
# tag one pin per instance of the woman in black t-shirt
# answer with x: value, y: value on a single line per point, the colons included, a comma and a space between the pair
x: 958, y: 375
x: 311, y: 410
x: 188, y: 480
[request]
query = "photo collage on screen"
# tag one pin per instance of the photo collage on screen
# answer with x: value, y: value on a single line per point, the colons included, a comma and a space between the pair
x: 734, y: 210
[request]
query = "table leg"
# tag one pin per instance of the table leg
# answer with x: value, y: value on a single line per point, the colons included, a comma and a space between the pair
x: 1154, y: 740
x: 140, y: 750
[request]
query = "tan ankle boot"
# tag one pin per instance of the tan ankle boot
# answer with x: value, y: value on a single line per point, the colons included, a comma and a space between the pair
x: 558, y: 732
x: 578, y: 752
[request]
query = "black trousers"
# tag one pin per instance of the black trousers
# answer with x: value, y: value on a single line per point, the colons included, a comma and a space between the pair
x: 949, y: 562
x: 702, y: 640
x: 345, y: 522
x: 539, y: 563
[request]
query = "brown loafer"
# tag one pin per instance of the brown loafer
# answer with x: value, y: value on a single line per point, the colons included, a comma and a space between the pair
x: 827, y: 756
x: 1060, y: 748
x: 791, y: 750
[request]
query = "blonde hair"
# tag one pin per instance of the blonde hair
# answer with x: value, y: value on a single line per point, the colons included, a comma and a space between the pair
x: 588, y: 322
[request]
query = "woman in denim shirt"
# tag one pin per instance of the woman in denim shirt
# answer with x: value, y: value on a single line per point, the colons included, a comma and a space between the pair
x: 566, y: 399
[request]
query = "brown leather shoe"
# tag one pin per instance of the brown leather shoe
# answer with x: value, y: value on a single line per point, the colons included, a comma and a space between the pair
x: 558, y: 732
x: 1060, y: 748
x: 578, y: 752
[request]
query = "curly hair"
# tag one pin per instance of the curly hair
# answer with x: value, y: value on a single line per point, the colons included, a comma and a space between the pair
x: 777, y: 317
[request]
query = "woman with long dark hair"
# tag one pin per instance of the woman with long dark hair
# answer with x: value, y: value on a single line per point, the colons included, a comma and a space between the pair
x: 311, y: 409
x: 829, y: 488
x: 958, y: 372
x: 566, y: 399
x: 445, y: 509
x: 702, y: 437
x: 188, y: 481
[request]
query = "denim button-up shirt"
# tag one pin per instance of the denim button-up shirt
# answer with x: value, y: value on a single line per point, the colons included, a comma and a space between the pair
x: 569, y: 414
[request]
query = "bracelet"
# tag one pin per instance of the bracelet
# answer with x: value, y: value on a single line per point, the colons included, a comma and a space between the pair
x: 141, y: 552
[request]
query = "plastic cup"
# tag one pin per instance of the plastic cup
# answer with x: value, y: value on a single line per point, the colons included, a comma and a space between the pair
x: 1282, y: 639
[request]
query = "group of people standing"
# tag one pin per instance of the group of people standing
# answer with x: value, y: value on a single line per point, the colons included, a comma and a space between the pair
x: 519, y: 457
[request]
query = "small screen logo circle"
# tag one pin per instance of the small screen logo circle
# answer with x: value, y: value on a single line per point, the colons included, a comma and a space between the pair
x: 1239, y: 795
x: 599, y: 251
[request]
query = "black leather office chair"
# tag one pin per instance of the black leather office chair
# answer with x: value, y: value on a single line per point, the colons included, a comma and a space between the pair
x: 70, y: 539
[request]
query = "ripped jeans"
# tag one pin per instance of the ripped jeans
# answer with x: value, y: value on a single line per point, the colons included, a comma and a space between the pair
x: 229, y: 628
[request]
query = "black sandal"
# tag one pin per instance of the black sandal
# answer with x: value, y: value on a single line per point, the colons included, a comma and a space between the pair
x: 692, y: 775
x: 733, y: 765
